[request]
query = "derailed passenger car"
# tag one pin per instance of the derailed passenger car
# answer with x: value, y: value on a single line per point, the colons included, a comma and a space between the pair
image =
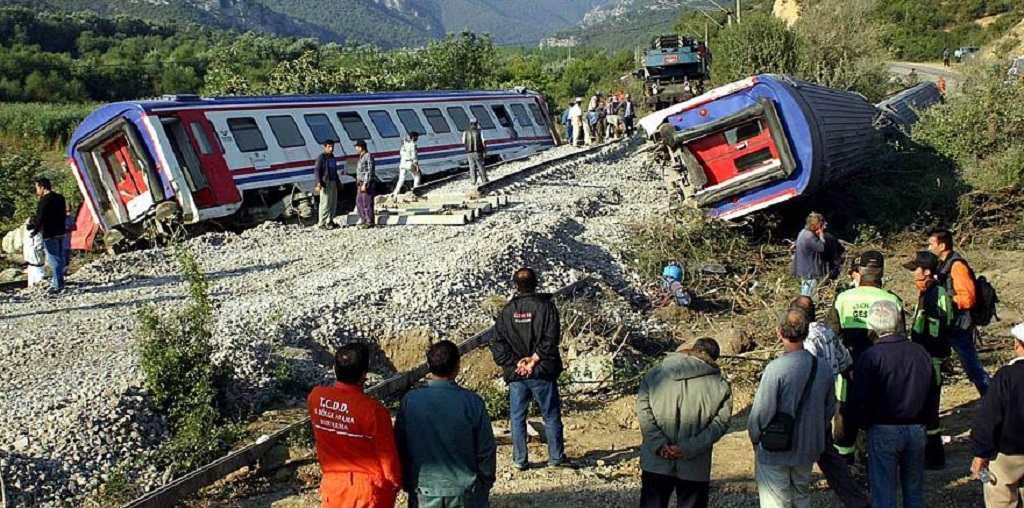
x: 767, y: 139
x: 191, y: 160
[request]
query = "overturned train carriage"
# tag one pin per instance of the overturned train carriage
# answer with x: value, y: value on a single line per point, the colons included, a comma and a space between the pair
x: 900, y: 112
x: 764, y: 140
x: 245, y: 159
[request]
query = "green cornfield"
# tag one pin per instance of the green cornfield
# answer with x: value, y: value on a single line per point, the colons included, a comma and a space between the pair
x: 38, y: 125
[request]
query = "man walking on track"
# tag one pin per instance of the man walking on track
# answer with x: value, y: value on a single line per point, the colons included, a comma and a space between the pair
x: 355, y: 442
x: 526, y: 340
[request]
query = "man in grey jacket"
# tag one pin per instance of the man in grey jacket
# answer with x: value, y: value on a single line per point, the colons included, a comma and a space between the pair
x: 476, y: 150
x: 684, y: 407
x: 784, y: 477
x: 366, y: 178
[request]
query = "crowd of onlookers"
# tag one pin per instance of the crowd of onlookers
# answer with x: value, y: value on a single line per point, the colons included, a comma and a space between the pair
x: 867, y: 364
x: 604, y: 118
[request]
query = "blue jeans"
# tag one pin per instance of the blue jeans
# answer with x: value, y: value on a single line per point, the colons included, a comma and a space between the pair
x: 55, y: 258
x: 963, y: 343
x: 807, y: 287
x: 896, y: 451
x: 546, y: 395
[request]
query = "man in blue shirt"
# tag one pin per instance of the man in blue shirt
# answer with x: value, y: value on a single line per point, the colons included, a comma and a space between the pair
x: 326, y: 173
x: 445, y: 439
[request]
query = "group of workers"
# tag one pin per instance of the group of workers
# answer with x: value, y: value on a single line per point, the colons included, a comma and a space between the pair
x: 327, y: 174
x: 868, y: 365
x: 602, y: 119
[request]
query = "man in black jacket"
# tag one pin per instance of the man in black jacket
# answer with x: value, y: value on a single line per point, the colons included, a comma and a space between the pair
x: 49, y: 221
x: 525, y: 346
x: 326, y: 172
x: 998, y: 442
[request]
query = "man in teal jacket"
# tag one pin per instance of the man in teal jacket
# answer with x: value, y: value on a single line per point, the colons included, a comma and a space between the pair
x: 445, y: 439
x: 683, y: 407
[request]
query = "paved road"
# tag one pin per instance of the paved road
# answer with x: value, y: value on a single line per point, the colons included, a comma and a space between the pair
x: 929, y: 71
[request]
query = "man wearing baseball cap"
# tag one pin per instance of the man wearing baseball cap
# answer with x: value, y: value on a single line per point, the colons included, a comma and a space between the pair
x: 849, y: 319
x: 997, y: 432
x: 932, y: 322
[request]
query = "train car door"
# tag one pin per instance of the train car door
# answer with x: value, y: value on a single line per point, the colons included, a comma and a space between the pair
x: 132, y: 188
x: 736, y: 151
x: 201, y: 158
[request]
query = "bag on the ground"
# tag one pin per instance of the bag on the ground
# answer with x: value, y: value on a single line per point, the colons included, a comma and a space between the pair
x: 777, y: 436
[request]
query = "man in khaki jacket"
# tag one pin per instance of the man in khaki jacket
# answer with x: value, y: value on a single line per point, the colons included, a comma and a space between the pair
x: 684, y: 407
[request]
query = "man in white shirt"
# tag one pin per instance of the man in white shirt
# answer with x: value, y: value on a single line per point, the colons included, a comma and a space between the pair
x: 578, y: 130
x: 409, y: 162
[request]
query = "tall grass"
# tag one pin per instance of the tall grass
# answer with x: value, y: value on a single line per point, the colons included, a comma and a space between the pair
x: 40, y: 126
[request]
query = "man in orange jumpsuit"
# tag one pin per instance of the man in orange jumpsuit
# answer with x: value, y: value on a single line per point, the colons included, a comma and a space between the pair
x: 355, y: 441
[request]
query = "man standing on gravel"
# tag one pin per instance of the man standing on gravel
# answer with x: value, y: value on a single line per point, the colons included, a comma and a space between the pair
x: 890, y: 399
x: 790, y: 417
x: 476, y: 150
x: 959, y: 281
x: 808, y: 265
x: 49, y: 223
x: 823, y: 343
x: 996, y: 433
x: 326, y: 172
x: 683, y: 407
x: 445, y: 439
x: 366, y: 175
x: 527, y: 334
x: 628, y: 114
x: 355, y: 442
x: 579, y: 132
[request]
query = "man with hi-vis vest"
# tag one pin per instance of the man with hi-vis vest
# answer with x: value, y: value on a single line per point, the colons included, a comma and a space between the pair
x: 848, y: 319
x: 355, y: 442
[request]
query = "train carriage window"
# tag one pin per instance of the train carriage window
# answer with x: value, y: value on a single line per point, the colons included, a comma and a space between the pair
x: 247, y: 134
x: 201, y: 138
x: 537, y: 115
x: 459, y: 117
x: 502, y: 114
x: 321, y: 128
x: 385, y: 125
x: 353, y: 125
x: 411, y: 121
x: 742, y: 133
x: 480, y: 113
x: 520, y: 112
x: 286, y: 132
x: 436, y: 121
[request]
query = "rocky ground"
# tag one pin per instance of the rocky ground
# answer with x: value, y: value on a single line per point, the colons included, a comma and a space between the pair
x: 72, y: 408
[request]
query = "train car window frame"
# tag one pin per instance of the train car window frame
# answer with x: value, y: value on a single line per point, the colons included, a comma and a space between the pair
x: 355, y: 120
x: 522, y: 117
x: 437, y: 121
x: 293, y: 138
x: 461, y: 120
x: 316, y: 128
x: 741, y: 133
x: 386, y: 125
x: 409, y: 116
x: 202, y: 139
x: 246, y: 132
x: 482, y: 117
x: 538, y: 116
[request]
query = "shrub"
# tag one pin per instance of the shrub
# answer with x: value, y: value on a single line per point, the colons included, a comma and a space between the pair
x: 761, y: 44
x: 496, y: 399
x: 176, y: 357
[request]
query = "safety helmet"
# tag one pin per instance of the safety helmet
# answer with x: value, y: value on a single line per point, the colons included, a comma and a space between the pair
x: 673, y: 272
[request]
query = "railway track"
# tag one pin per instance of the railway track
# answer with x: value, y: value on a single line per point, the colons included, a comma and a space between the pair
x: 14, y: 285
x: 175, y: 491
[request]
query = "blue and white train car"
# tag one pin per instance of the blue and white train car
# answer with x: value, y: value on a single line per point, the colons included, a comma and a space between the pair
x: 757, y: 142
x: 211, y: 158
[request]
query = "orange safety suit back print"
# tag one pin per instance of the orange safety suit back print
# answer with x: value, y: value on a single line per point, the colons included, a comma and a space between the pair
x: 355, y: 445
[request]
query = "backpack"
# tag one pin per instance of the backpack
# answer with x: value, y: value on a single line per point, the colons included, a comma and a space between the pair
x: 985, y: 297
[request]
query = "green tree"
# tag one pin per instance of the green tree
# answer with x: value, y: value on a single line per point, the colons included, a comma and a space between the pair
x: 761, y: 44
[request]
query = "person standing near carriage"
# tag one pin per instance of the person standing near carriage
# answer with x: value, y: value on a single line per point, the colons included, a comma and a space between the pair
x: 366, y: 173
x: 326, y: 173
x: 476, y: 150
x: 410, y: 162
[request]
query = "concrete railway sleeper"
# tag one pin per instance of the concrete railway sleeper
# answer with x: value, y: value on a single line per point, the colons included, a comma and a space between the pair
x: 175, y: 491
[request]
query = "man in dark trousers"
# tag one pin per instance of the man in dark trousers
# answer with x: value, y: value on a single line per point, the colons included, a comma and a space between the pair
x: 366, y: 175
x: 959, y: 280
x: 996, y: 433
x: 890, y: 398
x: 326, y: 173
x: 49, y: 222
x: 445, y: 439
x: 933, y: 317
x: 683, y: 406
x: 525, y: 345
x: 628, y: 115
